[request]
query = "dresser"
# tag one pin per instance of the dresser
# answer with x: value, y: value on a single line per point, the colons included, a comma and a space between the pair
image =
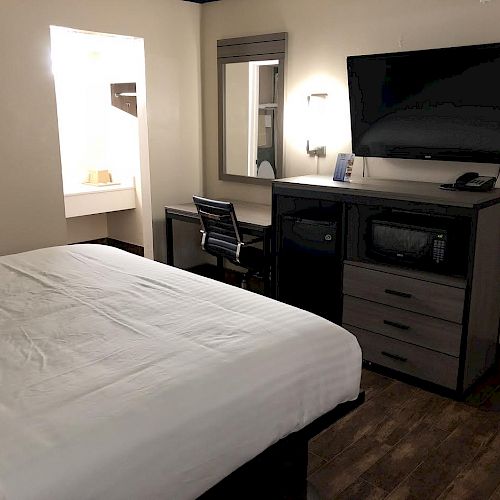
x: 437, y: 327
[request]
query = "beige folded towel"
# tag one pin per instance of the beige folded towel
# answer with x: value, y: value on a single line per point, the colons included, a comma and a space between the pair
x: 99, y: 177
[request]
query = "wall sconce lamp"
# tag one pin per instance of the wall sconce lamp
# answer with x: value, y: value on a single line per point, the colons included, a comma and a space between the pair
x: 316, y: 124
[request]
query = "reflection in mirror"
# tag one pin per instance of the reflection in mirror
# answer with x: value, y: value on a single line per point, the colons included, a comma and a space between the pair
x: 250, y: 108
x: 251, y: 90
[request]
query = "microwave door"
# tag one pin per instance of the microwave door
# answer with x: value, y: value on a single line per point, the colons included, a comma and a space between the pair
x: 398, y: 243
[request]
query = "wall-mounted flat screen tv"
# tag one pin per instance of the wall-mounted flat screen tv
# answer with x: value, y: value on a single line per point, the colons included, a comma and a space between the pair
x: 441, y: 104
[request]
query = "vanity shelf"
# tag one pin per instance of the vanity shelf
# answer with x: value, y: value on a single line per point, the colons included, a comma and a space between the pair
x: 84, y: 199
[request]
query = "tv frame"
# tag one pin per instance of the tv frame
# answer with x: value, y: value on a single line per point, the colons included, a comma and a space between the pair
x: 421, y: 154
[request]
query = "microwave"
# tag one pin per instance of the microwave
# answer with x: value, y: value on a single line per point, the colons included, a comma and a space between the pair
x: 411, y: 243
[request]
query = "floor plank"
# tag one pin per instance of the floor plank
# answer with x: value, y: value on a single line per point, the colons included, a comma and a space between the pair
x: 361, y: 489
x: 395, y: 395
x: 347, y: 431
x: 391, y: 431
x: 314, y: 463
x: 373, y: 383
x: 424, y: 407
x: 453, y: 415
x: 446, y: 461
x: 346, y: 468
x: 480, y: 479
x: 495, y: 495
x: 393, y: 467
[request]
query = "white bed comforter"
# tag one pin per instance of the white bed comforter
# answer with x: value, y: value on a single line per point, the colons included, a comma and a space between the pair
x: 123, y: 378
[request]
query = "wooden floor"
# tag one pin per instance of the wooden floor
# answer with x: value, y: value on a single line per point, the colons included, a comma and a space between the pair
x: 404, y: 442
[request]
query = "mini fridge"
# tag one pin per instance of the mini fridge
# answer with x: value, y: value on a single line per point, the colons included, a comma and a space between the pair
x: 308, y: 265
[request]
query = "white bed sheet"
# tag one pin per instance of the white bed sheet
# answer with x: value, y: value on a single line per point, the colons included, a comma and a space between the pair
x: 123, y: 378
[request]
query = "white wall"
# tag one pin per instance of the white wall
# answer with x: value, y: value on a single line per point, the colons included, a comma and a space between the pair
x: 321, y: 34
x: 31, y: 195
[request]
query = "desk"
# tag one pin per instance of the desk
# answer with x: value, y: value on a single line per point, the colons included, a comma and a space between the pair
x: 253, y: 218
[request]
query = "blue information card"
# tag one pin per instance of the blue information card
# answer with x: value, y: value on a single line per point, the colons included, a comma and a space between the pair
x: 343, y: 168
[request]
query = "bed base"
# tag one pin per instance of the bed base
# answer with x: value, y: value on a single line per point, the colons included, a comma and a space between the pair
x: 280, y: 471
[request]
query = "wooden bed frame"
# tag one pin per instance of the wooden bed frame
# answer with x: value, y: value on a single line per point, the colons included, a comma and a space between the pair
x: 280, y: 471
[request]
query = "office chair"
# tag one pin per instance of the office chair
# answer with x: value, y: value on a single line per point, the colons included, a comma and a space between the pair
x: 221, y: 237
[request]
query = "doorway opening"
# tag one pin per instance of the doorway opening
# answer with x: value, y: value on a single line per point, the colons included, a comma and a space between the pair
x: 101, y: 108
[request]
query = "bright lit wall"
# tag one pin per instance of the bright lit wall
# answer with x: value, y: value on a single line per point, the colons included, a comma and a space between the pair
x: 93, y: 134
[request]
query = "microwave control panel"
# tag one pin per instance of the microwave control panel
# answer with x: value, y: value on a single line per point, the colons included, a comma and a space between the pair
x: 439, y: 248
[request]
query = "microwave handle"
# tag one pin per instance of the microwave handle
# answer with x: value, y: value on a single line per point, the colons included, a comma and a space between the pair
x: 399, y: 294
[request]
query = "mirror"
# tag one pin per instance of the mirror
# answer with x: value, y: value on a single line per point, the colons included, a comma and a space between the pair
x: 251, y: 89
x: 250, y: 116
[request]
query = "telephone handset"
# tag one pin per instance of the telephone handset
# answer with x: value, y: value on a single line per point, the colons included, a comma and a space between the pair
x: 471, y: 181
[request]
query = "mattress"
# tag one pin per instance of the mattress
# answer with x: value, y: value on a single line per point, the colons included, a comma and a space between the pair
x: 123, y: 378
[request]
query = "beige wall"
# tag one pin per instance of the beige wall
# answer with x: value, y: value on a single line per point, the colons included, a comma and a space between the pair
x: 31, y: 196
x: 321, y: 34
x: 125, y: 225
x: 87, y: 228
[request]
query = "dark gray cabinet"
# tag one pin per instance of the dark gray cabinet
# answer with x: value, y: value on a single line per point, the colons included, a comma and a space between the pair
x: 439, y: 326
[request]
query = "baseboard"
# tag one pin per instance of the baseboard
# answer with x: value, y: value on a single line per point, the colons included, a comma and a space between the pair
x: 122, y: 245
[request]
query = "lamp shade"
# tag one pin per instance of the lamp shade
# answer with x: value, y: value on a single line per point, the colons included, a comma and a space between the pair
x: 316, y: 124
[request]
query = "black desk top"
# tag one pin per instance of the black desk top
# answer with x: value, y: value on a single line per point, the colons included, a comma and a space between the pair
x: 251, y: 214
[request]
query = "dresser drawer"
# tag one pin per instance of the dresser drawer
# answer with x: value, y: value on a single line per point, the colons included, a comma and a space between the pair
x: 411, y: 294
x: 415, y: 328
x: 419, y: 362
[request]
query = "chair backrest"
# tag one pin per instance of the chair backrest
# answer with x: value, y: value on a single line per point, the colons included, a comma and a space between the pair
x: 219, y: 226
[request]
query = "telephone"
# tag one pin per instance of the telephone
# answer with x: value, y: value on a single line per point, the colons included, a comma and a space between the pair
x: 471, y: 181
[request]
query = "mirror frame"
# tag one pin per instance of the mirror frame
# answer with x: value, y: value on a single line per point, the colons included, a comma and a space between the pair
x: 245, y: 49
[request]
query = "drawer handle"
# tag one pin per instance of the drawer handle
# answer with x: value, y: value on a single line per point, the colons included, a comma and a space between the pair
x: 395, y: 356
x: 399, y: 294
x: 395, y: 324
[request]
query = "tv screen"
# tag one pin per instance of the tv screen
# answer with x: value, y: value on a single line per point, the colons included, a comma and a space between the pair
x: 441, y: 104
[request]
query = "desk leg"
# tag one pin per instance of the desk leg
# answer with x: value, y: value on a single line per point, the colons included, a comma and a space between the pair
x: 220, y: 269
x: 267, y: 260
x: 169, y: 229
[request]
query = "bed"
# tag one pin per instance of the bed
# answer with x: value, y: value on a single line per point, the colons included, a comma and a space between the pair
x: 123, y: 378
